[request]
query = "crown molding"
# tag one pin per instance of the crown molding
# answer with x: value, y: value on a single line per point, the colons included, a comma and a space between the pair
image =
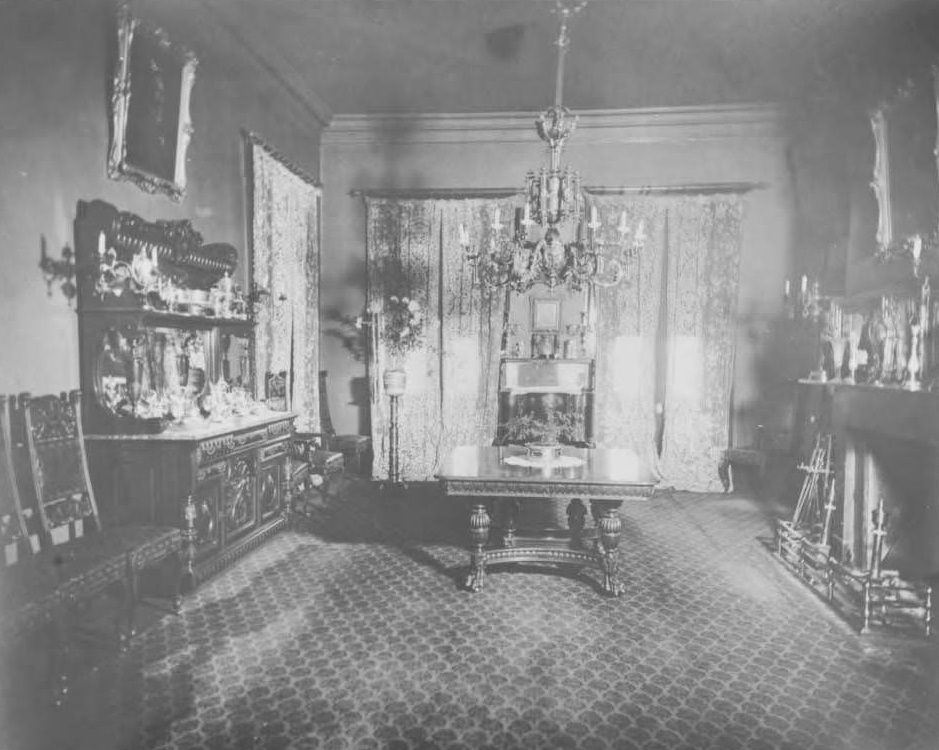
x: 599, y: 126
x: 274, y: 65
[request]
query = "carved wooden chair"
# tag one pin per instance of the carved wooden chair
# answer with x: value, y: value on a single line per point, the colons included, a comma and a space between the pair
x: 754, y: 456
x: 39, y: 590
x: 312, y: 466
x: 354, y: 448
x: 66, y: 503
x: 28, y: 592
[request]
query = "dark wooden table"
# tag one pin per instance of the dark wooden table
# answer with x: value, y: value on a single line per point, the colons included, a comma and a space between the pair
x: 606, y: 478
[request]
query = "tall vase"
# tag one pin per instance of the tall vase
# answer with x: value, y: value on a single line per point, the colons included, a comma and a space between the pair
x: 914, y: 364
x: 853, y: 344
x: 837, y: 356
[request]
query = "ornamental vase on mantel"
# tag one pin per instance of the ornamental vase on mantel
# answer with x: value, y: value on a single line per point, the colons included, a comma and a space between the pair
x: 395, y: 381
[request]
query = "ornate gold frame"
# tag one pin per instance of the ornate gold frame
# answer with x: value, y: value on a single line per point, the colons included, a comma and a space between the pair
x: 543, y: 308
x: 880, y: 180
x: 175, y: 62
x: 887, y: 244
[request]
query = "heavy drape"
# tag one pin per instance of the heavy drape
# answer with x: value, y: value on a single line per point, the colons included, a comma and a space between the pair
x: 704, y: 239
x: 285, y: 262
x: 452, y: 367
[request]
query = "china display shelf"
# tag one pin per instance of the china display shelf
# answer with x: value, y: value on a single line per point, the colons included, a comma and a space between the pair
x: 175, y: 319
x: 873, y: 387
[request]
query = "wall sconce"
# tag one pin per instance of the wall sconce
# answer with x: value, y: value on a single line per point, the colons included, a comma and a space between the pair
x: 257, y: 293
x: 55, y: 271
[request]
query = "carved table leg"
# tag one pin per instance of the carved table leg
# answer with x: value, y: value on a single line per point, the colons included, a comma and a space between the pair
x: 479, y: 523
x: 510, y: 509
x: 576, y: 520
x: 609, y: 527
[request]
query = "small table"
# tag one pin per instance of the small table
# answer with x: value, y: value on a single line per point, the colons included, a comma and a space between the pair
x: 606, y: 476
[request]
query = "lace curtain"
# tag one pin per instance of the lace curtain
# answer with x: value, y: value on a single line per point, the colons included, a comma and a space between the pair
x: 704, y: 237
x: 452, y: 365
x: 666, y: 335
x: 285, y: 262
x: 627, y: 332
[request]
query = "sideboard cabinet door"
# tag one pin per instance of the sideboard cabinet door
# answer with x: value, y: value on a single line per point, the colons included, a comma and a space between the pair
x: 240, y: 496
x: 207, y: 499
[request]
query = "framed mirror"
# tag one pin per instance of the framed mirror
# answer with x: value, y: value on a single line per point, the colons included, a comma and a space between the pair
x: 151, y: 125
x: 906, y: 173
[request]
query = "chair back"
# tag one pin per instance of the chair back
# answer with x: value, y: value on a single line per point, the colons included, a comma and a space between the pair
x: 59, y: 466
x: 326, y: 422
x: 12, y: 521
x: 275, y: 390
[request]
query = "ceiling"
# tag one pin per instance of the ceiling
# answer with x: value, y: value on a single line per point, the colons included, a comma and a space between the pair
x: 397, y: 56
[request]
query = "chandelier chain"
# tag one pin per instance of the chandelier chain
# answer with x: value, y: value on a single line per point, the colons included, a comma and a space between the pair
x: 563, y: 42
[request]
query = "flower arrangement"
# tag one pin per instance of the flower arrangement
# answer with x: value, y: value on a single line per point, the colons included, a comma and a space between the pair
x: 404, y: 322
x: 556, y: 427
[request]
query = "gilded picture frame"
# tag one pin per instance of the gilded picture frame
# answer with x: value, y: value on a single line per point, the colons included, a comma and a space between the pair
x: 151, y: 126
x: 905, y: 178
x: 545, y: 314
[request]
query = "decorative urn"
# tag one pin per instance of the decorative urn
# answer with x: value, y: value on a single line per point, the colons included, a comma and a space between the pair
x: 395, y: 381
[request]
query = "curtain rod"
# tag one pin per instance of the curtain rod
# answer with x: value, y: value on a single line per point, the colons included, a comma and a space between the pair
x: 257, y: 140
x: 698, y: 188
x: 702, y: 188
x: 436, y: 193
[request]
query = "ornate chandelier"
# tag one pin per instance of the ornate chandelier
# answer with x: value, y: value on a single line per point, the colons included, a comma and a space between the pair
x: 551, y: 241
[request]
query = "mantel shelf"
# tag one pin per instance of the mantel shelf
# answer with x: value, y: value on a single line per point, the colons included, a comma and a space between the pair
x: 883, y: 410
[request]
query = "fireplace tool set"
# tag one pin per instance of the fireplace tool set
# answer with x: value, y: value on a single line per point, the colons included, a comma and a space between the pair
x: 803, y: 544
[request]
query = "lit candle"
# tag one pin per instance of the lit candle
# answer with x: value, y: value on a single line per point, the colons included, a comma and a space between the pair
x: 786, y: 288
x: 102, y: 244
x: 805, y: 283
x: 497, y: 216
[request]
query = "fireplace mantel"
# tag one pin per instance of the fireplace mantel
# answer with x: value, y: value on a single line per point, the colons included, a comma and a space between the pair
x: 862, y: 417
x: 891, y: 412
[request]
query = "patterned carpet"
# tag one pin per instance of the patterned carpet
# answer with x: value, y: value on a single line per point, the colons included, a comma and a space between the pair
x: 354, y: 634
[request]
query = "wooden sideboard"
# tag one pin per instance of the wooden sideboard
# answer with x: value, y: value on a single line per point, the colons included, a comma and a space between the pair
x: 236, y: 473
x: 166, y: 364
